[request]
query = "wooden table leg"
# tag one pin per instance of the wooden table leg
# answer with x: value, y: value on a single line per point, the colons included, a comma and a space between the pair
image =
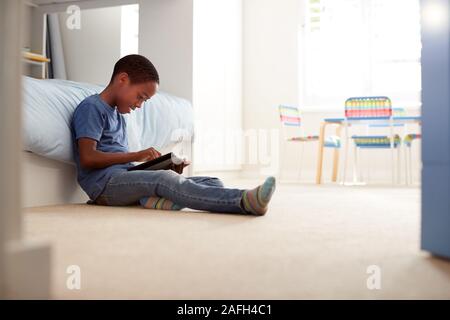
x: 320, y: 155
x: 336, y: 157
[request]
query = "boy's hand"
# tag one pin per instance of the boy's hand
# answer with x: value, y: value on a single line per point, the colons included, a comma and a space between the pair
x: 179, y: 168
x: 147, y: 155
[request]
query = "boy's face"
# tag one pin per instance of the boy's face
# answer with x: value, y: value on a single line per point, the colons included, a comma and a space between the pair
x: 131, y: 96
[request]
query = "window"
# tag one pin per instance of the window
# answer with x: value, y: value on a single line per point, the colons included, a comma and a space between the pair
x: 360, y: 48
x: 129, y: 33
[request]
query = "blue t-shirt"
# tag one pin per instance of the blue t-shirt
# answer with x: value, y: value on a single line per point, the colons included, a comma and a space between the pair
x: 95, y: 119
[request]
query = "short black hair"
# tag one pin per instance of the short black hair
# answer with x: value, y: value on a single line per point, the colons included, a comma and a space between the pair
x: 138, y: 68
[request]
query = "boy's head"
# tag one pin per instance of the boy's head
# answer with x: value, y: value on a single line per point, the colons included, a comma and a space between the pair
x: 134, y: 80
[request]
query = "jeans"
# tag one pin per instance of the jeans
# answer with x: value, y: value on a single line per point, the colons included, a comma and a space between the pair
x: 200, y: 193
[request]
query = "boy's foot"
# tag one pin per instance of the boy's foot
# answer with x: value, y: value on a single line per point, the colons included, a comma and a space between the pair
x: 159, y: 203
x: 256, y: 201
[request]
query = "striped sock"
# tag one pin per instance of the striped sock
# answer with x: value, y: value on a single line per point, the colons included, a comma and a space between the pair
x: 159, y: 203
x: 256, y: 201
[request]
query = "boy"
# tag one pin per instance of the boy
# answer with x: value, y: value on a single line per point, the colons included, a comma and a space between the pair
x: 102, y: 156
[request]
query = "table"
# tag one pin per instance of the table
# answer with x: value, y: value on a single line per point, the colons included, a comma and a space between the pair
x: 345, y: 123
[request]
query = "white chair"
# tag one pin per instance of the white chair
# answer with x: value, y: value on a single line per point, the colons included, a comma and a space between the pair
x: 292, y: 133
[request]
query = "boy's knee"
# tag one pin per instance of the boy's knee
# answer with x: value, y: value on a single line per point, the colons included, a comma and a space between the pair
x: 169, y: 174
x: 217, y: 182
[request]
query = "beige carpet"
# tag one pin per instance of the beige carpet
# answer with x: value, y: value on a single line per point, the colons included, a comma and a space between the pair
x: 315, y: 242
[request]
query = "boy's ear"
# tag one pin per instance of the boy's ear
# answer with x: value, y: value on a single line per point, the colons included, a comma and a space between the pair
x: 123, y: 78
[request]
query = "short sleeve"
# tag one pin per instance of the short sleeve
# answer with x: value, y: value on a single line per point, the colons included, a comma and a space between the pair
x: 88, y: 122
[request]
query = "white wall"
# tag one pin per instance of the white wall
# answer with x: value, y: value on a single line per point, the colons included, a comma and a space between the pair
x: 217, y: 87
x: 166, y: 38
x: 91, y: 52
x: 270, y: 63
